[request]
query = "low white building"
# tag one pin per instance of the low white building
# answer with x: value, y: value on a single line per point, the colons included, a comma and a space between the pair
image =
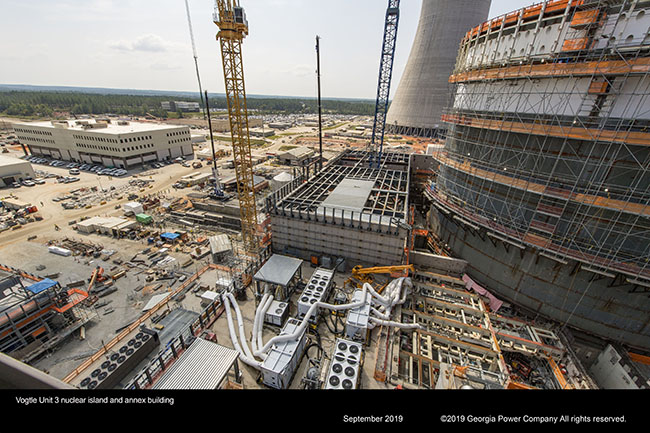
x: 109, y: 142
x: 14, y: 170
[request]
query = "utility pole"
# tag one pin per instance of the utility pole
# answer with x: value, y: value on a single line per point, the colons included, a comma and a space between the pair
x: 320, y: 114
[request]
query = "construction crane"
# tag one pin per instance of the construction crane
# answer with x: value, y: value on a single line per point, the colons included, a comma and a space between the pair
x: 217, y: 193
x: 383, y: 87
x: 196, y: 57
x: 230, y: 17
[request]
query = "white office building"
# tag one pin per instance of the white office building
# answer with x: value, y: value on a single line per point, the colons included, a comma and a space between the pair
x: 113, y: 143
x: 14, y: 170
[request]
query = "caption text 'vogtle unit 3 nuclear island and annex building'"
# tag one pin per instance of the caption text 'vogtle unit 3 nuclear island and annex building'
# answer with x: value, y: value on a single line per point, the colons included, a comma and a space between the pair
x: 488, y: 229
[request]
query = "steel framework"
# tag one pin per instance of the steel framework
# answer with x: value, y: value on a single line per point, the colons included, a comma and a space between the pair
x: 231, y: 19
x: 385, y: 75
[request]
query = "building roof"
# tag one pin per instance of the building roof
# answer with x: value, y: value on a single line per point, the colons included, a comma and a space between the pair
x: 220, y: 243
x: 9, y: 161
x: 297, y: 153
x: 210, y: 360
x: 350, y: 194
x: 278, y: 270
x: 114, y: 127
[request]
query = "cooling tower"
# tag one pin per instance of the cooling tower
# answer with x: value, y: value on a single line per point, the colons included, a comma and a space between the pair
x: 424, y: 91
x: 544, y: 184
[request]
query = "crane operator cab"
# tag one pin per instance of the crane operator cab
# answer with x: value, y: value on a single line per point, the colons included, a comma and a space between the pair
x: 240, y: 15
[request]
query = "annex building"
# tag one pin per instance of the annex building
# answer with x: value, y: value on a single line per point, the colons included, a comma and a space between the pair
x: 116, y: 143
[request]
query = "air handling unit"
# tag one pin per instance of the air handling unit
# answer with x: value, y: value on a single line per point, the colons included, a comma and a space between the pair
x: 283, y: 358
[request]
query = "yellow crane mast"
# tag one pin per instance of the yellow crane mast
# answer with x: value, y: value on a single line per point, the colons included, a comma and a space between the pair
x: 230, y: 17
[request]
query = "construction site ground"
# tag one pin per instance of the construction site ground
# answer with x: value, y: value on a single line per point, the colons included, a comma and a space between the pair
x: 26, y: 248
x: 127, y: 305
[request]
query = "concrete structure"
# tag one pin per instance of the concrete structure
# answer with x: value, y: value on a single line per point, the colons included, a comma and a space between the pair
x: 347, y: 210
x: 614, y: 369
x: 195, y: 179
x: 423, y: 91
x: 543, y: 182
x: 14, y: 170
x: 115, y: 143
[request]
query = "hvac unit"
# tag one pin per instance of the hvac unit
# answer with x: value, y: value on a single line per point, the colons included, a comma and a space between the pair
x: 345, y: 366
x: 277, y: 313
x: 317, y: 289
x: 356, y: 324
x: 283, y: 358
x: 120, y: 363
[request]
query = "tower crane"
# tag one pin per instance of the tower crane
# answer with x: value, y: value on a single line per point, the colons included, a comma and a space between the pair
x: 196, y: 57
x: 230, y: 17
x: 385, y: 75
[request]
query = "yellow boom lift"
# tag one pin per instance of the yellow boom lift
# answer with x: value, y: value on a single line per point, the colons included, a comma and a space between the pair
x: 364, y: 275
x: 230, y: 17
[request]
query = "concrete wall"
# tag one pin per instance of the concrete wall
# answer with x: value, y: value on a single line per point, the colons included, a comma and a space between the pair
x: 563, y: 293
x: 358, y: 247
x: 448, y: 265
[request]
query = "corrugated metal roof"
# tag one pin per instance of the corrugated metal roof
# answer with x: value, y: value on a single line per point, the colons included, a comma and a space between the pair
x: 278, y: 269
x: 204, y: 365
x: 220, y: 243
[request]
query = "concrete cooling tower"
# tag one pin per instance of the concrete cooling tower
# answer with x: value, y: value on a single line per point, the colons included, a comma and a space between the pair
x: 424, y: 90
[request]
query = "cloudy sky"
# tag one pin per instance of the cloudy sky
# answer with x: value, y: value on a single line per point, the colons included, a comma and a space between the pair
x: 145, y: 44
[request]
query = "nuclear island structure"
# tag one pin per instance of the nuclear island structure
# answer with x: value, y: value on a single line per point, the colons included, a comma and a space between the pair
x: 497, y: 236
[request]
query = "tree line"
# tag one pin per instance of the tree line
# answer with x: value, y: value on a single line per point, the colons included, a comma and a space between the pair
x: 45, y: 104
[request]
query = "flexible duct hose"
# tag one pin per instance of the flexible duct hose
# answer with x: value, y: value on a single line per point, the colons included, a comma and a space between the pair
x: 260, y: 326
x: 242, y: 332
x: 256, y: 321
x: 301, y: 328
x: 395, y: 324
x: 233, y: 337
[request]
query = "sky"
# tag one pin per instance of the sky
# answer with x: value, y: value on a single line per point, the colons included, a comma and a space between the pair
x: 146, y: 44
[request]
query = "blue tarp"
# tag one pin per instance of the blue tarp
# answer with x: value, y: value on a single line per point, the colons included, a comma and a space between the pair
x: 170, y: 236
x: 41, y: 286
